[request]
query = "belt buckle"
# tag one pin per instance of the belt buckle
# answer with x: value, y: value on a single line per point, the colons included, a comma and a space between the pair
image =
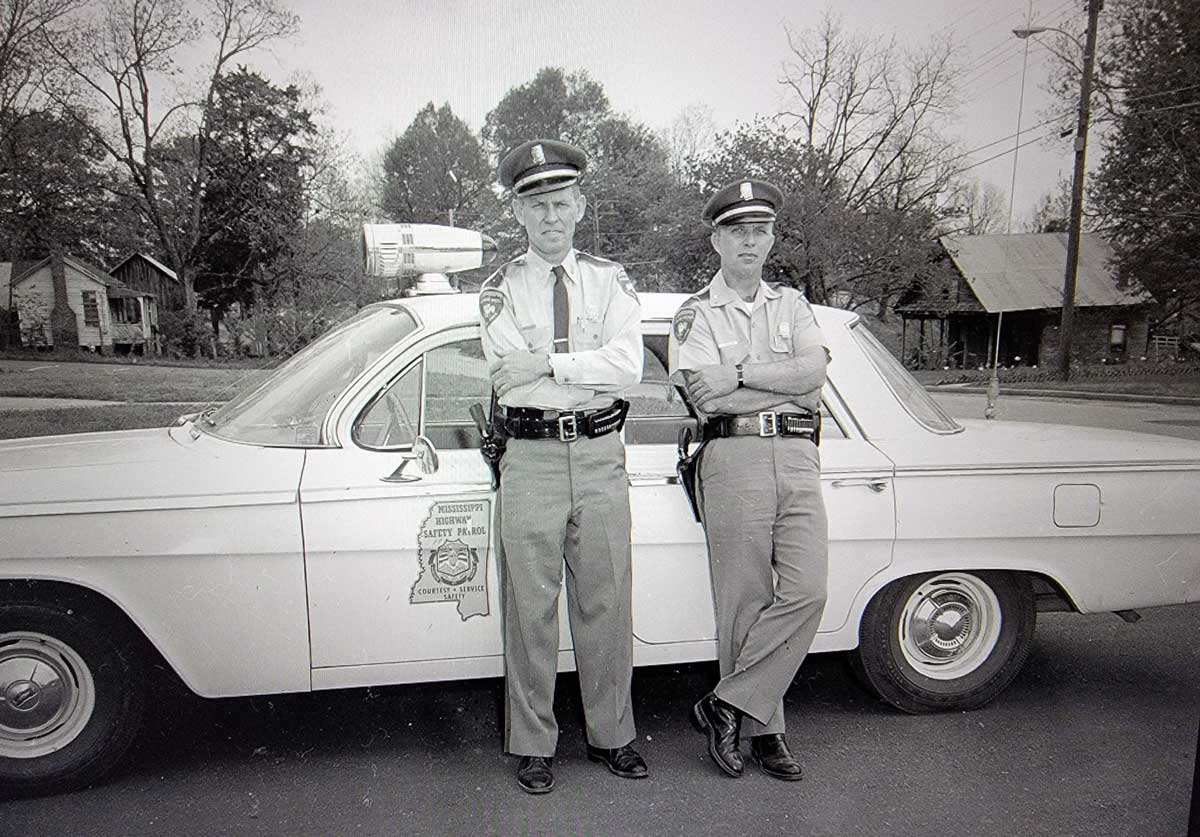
x: 568, y: 428
x: 768, y: 424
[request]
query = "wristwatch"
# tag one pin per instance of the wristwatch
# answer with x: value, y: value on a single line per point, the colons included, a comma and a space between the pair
x: 741, y: 372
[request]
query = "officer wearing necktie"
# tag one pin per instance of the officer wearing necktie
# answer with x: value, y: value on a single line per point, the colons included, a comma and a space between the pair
x: 562, y: 336
x: 752, y: 360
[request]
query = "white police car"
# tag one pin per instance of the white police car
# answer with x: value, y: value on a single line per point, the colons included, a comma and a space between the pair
x: 333, y: 528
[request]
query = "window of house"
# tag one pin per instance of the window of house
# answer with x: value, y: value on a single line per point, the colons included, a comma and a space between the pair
x: 126, y: 310
x: 91, y: 309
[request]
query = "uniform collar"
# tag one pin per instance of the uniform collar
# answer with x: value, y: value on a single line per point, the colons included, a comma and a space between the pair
x: 541, y: 267
x: 721, y: 294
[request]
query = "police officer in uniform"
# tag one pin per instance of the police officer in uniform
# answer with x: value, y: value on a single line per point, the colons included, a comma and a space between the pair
x: 562, y: 335
x: 752, y: 360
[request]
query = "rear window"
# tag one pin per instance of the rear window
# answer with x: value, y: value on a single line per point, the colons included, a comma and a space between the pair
x: 916, y: 401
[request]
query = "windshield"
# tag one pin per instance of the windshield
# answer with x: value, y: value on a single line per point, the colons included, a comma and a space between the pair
x: 288, y: 408
x: 919, y: 404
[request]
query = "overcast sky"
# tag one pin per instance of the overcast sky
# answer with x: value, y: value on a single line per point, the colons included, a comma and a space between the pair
x: 379, y: 62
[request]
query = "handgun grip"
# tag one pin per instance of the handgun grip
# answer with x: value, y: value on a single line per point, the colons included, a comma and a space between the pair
x: 481, y: 422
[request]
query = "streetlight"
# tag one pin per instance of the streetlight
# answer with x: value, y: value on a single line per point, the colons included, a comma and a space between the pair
x: 1075, y: 224
x: 993, y: 387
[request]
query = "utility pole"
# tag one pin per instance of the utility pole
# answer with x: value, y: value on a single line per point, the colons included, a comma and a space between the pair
x: 1074, y: 229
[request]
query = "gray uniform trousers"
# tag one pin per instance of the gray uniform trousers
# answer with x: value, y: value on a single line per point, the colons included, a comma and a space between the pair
x: 566, y: 500
x: 764, y: 518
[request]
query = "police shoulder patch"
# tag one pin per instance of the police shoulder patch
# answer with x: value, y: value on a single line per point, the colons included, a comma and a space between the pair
x: 681, y: 325
x: 491, y: 303
x: 626, y: 284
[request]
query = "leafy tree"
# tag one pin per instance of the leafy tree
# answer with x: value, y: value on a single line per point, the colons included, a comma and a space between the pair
x: 838, y: 249
x: 254, y: 203
x: 554, y: 105
x: 53, y: 189
x: 629, y: 183
x: 437, y: 171
x: 159, y: 130
x: 1145, y: 191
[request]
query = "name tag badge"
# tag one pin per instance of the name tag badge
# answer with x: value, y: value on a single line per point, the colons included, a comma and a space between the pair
x: 782, y: 341
x: 536, y: 337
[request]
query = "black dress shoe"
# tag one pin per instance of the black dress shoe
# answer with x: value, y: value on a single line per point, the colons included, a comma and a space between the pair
x: 770, y: 752
x: 723, y: 723
x: 534, y: 774
x: 623, y: 761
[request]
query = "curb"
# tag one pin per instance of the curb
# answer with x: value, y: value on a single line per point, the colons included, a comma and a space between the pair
x: 1081, y: 395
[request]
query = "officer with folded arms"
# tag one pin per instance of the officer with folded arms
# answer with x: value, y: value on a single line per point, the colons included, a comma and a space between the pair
x: 562, y: 335
x: 752, y: 361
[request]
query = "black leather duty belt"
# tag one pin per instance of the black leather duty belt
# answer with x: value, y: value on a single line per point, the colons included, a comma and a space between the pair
x: 566, y: 425
x: 804, y: 425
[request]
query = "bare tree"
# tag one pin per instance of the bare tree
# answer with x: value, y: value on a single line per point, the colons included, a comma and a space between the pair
x: 23, y: 25
x: 972, y: 209
x: 145, y: 114
x: 873, y: 110
x: 688, y: 138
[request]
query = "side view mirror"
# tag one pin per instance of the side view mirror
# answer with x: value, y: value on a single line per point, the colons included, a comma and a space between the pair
x: 424, y: 454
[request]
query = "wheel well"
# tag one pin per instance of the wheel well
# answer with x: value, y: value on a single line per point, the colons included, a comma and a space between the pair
x: 85, y: 599
x: 1049, y: 596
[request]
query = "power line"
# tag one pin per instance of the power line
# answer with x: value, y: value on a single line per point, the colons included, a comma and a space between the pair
x: 1009, y: 137
x: 1008, y: 151
x: 1008, y: 77
x: 1051, y: 133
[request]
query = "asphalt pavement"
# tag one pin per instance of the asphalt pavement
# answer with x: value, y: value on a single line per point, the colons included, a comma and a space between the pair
x: 1095, y: 737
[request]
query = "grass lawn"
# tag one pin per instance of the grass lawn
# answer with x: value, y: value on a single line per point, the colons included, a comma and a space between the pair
x: 22, y: 423
x: 1133, y: 379
x: 123, y: 381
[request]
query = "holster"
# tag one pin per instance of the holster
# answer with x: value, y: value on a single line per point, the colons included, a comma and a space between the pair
x: 688, y: 468
x: 492, y: 444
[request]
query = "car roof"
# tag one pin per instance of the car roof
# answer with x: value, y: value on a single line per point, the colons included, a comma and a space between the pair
x: 439, y: 311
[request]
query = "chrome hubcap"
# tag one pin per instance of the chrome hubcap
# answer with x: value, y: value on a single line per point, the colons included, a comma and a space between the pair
x: 949, y: 626
x: 46, y: 695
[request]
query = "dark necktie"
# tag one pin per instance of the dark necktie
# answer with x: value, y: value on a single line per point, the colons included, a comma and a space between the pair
x: 562, y: 311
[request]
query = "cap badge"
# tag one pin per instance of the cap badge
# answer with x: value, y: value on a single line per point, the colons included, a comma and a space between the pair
x: 538, y: 155
x: 747, y: 191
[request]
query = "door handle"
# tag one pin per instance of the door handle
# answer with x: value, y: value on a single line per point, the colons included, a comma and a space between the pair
x: 876, y: 484
x: 653, y: 479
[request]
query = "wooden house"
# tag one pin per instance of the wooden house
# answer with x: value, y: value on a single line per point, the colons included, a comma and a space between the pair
x: 146, y: 273
x: 108, y: 316
x: 1012, y: 285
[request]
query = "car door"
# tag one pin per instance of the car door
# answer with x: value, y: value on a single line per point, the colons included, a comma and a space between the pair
x: 402, y: 581
x: 672, y: 586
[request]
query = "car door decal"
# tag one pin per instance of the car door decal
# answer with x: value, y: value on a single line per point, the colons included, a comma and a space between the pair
x: 453, y: 547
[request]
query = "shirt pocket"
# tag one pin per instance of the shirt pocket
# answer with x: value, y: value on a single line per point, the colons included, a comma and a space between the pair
x: 587, y: 331
x: 781, y: 339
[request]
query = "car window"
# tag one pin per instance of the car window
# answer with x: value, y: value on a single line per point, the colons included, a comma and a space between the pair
x: 439, y: 390
x: 455, y: 378
x: 391, y: 419
x: 911, y: 394
x: 289, y: 407
x: 656, y: 410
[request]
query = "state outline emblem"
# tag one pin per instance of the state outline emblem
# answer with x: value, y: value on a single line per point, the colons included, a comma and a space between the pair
x: 682, y: 324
